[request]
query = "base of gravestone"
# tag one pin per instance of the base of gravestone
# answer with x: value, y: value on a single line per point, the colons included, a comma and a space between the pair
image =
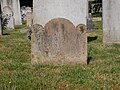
x: 59, y: 61
x: 38, y: 58
x: 59, y: 42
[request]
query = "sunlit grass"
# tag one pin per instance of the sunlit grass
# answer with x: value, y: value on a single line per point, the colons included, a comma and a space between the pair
x: 17, y: 73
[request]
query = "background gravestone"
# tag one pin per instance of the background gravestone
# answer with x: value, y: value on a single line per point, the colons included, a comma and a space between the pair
x: 0, y: 27
x: 24, y: 11
x: 8, y: 21
x: 74, y: 10
x: 111, y: 21
x: 15, y: 6
x: 59, y: 42
x: 5, y: 3
x: 29, y: 18
x: 16, y: 11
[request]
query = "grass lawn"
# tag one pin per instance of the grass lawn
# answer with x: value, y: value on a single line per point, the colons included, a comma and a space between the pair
x: 17, y: 73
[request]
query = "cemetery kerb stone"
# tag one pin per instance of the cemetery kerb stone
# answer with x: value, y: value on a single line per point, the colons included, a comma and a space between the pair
x: 59, y: 32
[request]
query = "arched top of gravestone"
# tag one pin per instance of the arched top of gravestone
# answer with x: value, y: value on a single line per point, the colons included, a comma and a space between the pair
x: 60, y: 20
x: 28, y: 9
x: 59, y: 24
x: 7, y: 9
x: 61, y: 33
x: 65, y: 22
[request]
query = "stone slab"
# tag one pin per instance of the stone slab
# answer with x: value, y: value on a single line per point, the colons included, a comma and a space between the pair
x: 16, y: 11
x: 111, y: 21
x: 29, y: 18
x: 59, y: 42
x: 74, y: 10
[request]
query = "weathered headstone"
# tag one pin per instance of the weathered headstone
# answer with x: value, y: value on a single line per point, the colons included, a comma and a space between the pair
x: 90, y: 24
x: 59, y: 42
x: 15, y: 6
x: 8, y: 21
x: 24, y: 11
x: 16, y: 11
x: 3, y: 3
x: 28, y: 9
x: 0, y: 27
x: 55, y: 37
x: 111, y: 21
x: 29, y: 18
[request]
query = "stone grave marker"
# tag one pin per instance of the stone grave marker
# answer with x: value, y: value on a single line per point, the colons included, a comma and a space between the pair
x: 29, y: 18
x: 0, y: 27
x: 59, y: 33
x: 111, y: 21
x: 24, y: 11
x: 8, y: 21
x: 74, y: 10
x: 59, y: 42
x: 15, y: 6
x: 16, y: 10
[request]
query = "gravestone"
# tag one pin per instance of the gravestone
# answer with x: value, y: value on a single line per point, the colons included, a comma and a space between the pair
x: 57, y: 35
x: 28, y: 9
x: 90, y: 24
x: 7, y: 15
x: 6, y: 3
x: 3, y: 4
x: 29, y: 18
x: 15, y: 6
x: 0, y: 27
x: 59, y: 42
x: 16, y: 11
x: 111, y: 21
x: 74, y: 10
x: 24, y: 11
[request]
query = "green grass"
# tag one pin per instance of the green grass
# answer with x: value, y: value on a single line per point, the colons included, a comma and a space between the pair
x: 97, y: 15
x: 17, y: 73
